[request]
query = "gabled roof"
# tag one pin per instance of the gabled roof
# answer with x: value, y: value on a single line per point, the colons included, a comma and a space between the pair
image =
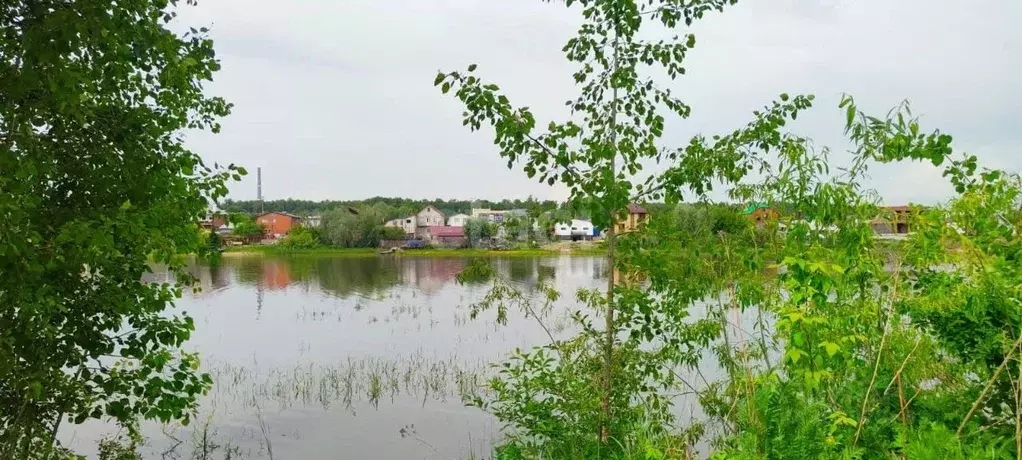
x: 434, y: 208
x: 635, y: 209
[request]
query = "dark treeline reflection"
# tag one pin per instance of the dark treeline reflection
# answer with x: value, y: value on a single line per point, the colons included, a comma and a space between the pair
x: 370, y: 276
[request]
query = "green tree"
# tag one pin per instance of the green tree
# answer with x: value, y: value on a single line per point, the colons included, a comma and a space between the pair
x: 350, y: 227
x: 517, y: 227
x: 616, y: 123
x: 392, y: 233
x: 833, y: 343
x: 478, y: 231
x: 95, y: 99
x: 300, y: 238
x: 244, y: 226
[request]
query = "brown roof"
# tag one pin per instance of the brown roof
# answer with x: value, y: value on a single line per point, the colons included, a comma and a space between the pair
x: 635, y: 209
x: 279, y: 213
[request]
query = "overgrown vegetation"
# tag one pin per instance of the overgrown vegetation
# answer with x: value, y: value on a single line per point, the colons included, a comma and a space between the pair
x: 245, y: 226
x: 830, y: 344
x: 360, y: 227
x: 300, y: 238
x: 833, y: 345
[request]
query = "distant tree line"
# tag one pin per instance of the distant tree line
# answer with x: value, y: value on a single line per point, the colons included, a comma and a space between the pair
x: 398, y: 207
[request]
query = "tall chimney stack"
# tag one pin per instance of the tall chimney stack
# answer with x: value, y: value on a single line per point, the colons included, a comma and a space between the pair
x: 259, y: 188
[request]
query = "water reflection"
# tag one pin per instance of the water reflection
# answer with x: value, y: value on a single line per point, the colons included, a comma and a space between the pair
x: 339, y: 353
x: 373, y: 277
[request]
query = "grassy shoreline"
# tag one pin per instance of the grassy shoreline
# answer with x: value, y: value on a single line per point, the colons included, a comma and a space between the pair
x: 374, y: 252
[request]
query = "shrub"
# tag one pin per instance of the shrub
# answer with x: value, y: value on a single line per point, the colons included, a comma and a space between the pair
x: 300, y: 238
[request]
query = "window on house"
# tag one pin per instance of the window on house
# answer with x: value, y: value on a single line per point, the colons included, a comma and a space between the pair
x: 574, y: 228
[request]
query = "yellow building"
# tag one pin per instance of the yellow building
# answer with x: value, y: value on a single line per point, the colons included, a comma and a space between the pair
x: 636, y: 217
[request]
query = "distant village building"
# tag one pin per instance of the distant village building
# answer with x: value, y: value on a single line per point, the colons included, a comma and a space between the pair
x: 417, y: 225
x: 446, y: 236
x: 636, y: 217
x: 458, y: 220
x: 895, y: 221
x: 277, y: 224
x: 313, y: 221
x: 408, y: 224
x: 430, y: 216
x: 576, y: 230
x: 497, y: 216
x: 213, y: 221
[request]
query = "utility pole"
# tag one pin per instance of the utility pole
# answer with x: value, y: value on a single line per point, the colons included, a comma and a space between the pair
x: 259, y: 188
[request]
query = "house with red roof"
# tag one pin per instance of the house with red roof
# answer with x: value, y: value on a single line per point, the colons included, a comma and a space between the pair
x: 445, y: 236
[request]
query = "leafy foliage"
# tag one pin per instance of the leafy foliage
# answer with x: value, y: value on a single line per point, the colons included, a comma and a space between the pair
x: 245, y: 226
x: 300, y: 238
x: 479, y: 231
x: 354, y: 227
x: 392, y: 233
x: 95, y: 182
x: 833, y: 343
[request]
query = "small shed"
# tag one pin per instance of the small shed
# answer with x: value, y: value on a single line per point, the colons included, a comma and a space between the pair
x: 446, y: 236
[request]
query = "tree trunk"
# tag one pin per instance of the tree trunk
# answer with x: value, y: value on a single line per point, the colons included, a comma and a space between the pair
x: 610, y: 328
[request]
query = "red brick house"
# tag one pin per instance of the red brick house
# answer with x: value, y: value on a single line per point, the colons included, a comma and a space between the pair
x: 277, y: 224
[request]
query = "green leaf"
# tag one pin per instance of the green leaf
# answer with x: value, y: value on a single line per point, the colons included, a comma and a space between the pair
x: 831, y: 347
x: 471, y: 67
x: 439, y: 78
x: 126, y: 205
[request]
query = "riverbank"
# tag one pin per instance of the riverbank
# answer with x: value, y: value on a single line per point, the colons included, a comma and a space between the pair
x: 375, y: 252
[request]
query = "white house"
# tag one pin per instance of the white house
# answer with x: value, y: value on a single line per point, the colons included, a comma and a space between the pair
x: 418, y: 225
x: 497, y: 216
x: 457, y: 220
x: 408, y: 224
x: 575, y: 230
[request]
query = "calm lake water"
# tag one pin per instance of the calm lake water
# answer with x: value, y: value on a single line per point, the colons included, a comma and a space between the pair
x: 340, y: 357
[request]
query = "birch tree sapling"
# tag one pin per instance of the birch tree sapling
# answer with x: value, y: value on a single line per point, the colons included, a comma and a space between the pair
x: 615, y: 124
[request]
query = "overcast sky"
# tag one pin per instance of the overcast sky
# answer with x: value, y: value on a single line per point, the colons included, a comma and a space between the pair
x: 334, y: 98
